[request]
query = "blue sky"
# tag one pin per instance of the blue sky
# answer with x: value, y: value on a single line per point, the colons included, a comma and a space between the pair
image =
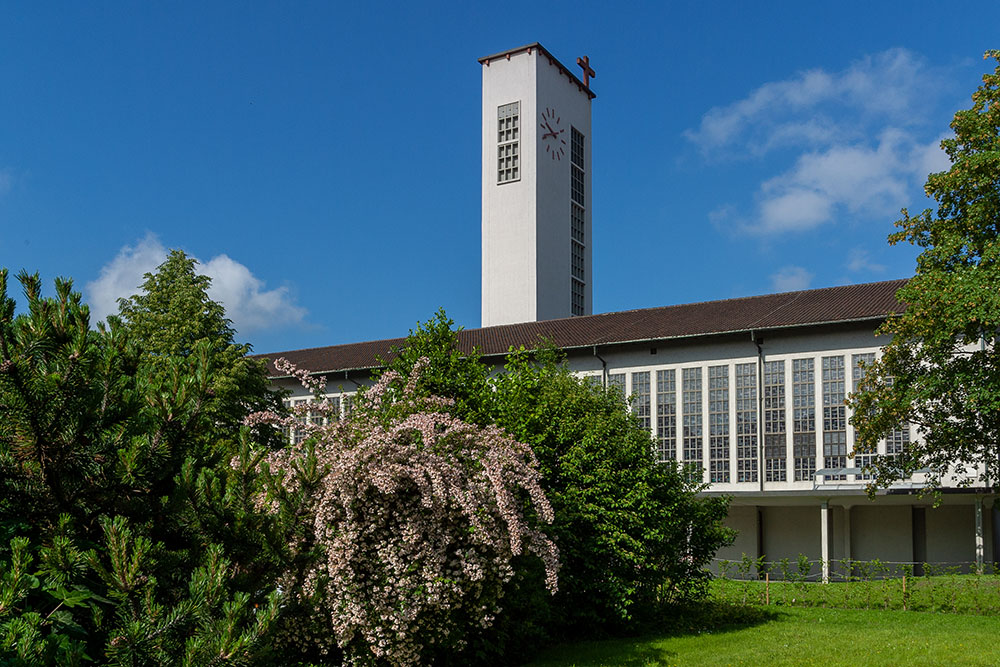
x: 322, y: 159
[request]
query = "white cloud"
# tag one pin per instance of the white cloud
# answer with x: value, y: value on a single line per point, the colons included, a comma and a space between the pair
x: 852, y: 143
x: 247, y: 303
x: 891, y: 86
x: 855, y: 179
x: 123, y: 276
x: 859, y: 261
x: 790, y: 279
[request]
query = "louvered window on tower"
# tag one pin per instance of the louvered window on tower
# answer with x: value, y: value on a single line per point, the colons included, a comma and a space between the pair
x: 577, y: 296
x: 577, y: 259
x: 576, y: 220
x: 576, y: 167
x: 508, y: 142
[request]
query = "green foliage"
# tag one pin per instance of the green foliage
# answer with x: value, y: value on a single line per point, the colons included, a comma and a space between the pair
x: 941, y: 371
x: 127, y: 538
x: 174, y: 318
x: 632, y: 534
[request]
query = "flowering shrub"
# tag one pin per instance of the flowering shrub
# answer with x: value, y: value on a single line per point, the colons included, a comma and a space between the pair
x: 416, y: 518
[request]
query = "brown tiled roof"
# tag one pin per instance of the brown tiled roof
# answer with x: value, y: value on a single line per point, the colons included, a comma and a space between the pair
x: 830, y: 305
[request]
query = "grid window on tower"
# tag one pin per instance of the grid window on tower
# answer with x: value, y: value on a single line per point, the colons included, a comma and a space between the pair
x: 576, y: 256
x: 508, y: 142
x: 577, y: 296
x: 576, y: 223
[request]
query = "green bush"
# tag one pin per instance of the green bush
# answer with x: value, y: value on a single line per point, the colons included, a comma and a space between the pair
x: 633, y: 535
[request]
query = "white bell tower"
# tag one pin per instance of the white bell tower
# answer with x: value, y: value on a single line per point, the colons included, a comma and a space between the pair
x: 536, y: 188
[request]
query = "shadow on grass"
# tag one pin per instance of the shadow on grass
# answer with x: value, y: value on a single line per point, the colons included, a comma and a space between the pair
x: 644, y: 650
x: 709, y: 616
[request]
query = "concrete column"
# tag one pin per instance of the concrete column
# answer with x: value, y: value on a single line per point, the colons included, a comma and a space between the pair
x: 824, y: 537
x: 979, y: 535
x: 847, y: 532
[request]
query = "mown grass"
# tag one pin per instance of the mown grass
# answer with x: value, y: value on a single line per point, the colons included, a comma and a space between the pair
x: 803, y: 636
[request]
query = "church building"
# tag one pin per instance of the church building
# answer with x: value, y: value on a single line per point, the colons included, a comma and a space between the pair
x: 750, y: 390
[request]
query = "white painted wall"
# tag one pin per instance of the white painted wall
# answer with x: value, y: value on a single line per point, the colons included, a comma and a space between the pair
x: 508, y: 210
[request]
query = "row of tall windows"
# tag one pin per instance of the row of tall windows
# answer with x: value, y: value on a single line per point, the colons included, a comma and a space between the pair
x: 780, y: 382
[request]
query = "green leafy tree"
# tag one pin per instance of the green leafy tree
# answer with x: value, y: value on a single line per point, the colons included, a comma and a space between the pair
x: 941, y: 370
x: 173, y: 318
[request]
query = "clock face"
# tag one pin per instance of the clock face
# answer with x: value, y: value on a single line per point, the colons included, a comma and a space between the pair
x: 552, y: 134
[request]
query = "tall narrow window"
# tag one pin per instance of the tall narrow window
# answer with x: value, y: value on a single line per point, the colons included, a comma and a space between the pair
x: 666, y: 416
x: 616, y: 383
x: 508, y: 142
x: 718, y: 424
x: 804, y: 419
x: 746, y: 422
x: 576, y: 159
x: 286, y: 431
x: 834, y: 416
x: 299, y: 433
x: 316, y: 418
x: 641, y: 398
x: 775, y: 444
x: 692, y: 415
x: 577, y: 241
x: 896, y: 441
x: 862, y: 460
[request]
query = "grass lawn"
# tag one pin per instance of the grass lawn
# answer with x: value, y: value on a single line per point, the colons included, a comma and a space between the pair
x: 805, y: 636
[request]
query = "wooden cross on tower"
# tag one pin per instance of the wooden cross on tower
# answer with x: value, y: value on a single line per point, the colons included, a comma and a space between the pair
x: 588, y: 71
